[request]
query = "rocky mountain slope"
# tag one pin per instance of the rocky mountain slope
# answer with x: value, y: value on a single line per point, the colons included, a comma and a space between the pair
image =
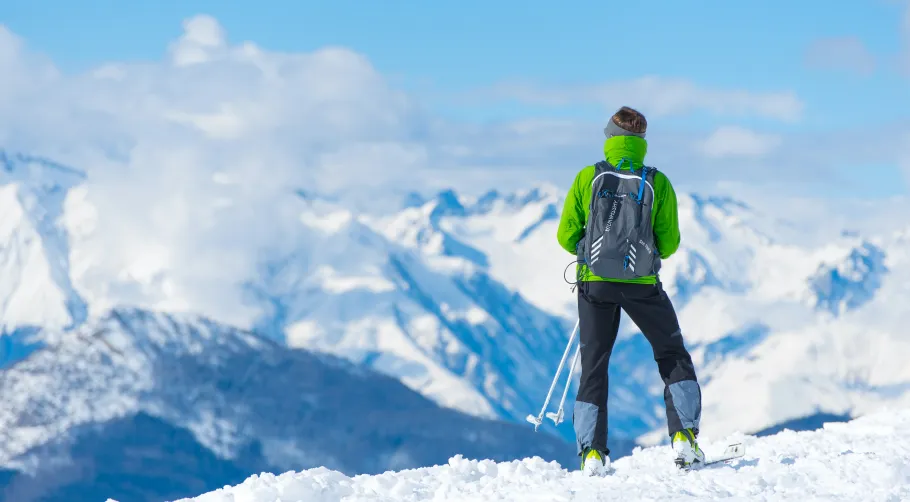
x: 148, y: 406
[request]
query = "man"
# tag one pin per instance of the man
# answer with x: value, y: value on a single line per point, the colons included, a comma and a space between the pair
x: 620, y: 219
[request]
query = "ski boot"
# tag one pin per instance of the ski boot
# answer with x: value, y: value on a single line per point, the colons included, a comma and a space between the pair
x: 594, y: 462
x: 688, y: 454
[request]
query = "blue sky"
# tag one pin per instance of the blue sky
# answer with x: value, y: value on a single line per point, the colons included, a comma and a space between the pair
x: 469, y: 43
x: 450, y: 54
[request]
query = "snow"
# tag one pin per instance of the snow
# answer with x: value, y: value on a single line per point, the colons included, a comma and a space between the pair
x: 866, y: 459
x: 36, y: 287
x: 335, y: 282
x: 329, y: 223
x: 431, y: 316
x: 385, y: 347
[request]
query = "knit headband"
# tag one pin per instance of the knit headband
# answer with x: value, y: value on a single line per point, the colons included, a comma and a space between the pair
x: 614, y: 130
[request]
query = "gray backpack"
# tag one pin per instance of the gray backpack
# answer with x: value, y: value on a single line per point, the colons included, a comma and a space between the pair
x: 619, y: 241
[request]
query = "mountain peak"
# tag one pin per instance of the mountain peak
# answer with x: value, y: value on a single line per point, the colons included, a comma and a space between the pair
x: 851, y: 282
x: 23, y: 167
x: 723, y: 202
x: 413, y: 199
x: 534, y: 194
x: 37, y: 289
x: 178, y: 333
x: 447, y: 203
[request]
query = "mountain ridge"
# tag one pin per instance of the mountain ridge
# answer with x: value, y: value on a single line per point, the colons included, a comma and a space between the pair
x: 248, y: 404
x: 463, y: 298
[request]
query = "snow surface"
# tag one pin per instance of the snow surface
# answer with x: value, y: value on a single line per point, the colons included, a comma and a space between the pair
x: 867, y: 459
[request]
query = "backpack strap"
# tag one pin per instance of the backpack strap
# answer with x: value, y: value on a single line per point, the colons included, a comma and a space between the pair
x: 645, y: 170
x: 641, y: 185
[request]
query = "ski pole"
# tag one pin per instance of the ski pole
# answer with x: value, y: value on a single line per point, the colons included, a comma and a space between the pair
x: 539, y: 418
x: 558, y: 416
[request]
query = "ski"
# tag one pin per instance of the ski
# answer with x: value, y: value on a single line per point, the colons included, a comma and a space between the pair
x: 731, y: 452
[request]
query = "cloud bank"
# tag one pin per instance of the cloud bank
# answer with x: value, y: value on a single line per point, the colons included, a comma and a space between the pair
x: 662, y: 97
x: 734, y: 141
x: 188, y: 157
x: 318, y: 120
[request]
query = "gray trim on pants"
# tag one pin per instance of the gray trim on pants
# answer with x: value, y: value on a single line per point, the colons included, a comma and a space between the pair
x: 687, y: 402
x: 585, y: 419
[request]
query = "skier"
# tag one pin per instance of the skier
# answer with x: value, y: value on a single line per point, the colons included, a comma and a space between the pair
x: 620, y: 220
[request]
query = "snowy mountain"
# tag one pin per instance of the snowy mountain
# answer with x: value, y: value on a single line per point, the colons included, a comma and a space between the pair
x: 36, y: 287
x: 864, y: 460
x: 326, y: 279
x: 464, y: 298
x: 766, y: 303
x: 147, y: 406
x: 443, y: 327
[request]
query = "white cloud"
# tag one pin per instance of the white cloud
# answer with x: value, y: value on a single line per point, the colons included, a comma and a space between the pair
x: 193, y: 160
x: 213, y: 97
x: 188, y: 157
x: 735, y: 141
x: 19, y: 70
x: 203, y: 37
x: 841, y: 53
x: 661, y: 97
x: 10, y: 46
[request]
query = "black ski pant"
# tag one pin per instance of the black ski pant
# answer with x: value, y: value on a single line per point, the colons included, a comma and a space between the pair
x: 648, y: 305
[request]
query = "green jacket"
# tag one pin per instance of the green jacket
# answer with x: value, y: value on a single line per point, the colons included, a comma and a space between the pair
x: 664, y: 217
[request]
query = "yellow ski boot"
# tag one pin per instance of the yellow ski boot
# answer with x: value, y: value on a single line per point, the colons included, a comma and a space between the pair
x: 594, y: 462
x: 688, y: 454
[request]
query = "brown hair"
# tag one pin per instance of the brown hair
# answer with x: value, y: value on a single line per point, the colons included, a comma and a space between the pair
x: 630, y: 120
